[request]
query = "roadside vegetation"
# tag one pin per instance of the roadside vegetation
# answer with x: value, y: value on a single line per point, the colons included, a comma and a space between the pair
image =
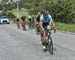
x: 65, y: 27
x: 21, y: 12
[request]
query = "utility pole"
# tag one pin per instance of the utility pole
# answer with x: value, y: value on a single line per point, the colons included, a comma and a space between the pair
x: 17, y: 9
x: 17, y: 2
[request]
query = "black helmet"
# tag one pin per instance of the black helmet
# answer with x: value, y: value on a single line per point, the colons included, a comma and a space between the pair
x: 23, y: 17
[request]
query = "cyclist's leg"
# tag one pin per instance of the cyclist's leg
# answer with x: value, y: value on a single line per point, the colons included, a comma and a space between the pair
x: 38, y: 27
x: 36, y: 24
x: 18, y: 25
x: 29, y: 24
x: 43, y: 39
x: 23, y: 25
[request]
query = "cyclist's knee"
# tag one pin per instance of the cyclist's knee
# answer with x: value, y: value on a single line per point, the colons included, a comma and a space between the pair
x: 44, y: 33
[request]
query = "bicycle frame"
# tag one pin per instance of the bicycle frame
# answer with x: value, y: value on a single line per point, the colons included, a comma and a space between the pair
x: 48, y: 34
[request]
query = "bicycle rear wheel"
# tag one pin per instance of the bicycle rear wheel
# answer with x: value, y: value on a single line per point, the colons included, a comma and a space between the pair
x: 50, y: 45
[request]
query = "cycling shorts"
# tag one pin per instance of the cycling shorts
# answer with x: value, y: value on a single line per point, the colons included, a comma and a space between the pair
x: 45, y: 25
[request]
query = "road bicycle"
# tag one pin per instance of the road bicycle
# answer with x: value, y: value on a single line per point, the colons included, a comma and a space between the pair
x: 49, y: 41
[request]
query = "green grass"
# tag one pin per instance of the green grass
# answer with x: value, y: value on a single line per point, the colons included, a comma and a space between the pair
x: 65, y: 27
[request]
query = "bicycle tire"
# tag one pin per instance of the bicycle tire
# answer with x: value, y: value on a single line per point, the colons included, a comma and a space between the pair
x: 50, y: 45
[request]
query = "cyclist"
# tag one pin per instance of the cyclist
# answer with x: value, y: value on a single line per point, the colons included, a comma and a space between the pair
x: 32, y: 21
x: 23, y: 18
x: 45, y: 20
x: 38, y: 21
x: 29, y: 20
x: 18, y: 22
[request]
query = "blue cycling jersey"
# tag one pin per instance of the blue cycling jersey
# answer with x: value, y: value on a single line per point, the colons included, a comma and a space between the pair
x: 45, y: 19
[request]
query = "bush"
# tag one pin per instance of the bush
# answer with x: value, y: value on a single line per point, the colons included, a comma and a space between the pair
x: 11, y: 15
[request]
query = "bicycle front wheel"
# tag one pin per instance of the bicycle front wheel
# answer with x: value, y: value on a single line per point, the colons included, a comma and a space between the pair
x: 50, y: 45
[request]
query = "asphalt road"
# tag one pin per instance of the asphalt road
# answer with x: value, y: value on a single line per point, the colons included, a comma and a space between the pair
x: 16, y: 44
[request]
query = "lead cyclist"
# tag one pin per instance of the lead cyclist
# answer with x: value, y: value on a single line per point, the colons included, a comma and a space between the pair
x: 45, y: 20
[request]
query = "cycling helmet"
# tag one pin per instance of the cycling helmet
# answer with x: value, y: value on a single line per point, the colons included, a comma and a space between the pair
x: 45, y: 11
x: 29, y: 16
x: 23, y: 17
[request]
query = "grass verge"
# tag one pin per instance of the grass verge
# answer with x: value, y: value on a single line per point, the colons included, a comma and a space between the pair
x: 65, y: 27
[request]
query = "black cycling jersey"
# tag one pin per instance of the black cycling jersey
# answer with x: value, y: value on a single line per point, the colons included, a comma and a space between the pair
x: 17, y: 19
x: 38, y: 18
x: 29, y: 19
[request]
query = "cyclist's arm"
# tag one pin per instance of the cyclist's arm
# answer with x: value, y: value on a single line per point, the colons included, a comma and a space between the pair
x: 52, y: 23
x: 41, y: 19
x: 36, y: 19
x: 36, y: 16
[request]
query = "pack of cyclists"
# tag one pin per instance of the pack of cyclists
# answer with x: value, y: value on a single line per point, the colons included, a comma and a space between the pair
x: 42, y: 20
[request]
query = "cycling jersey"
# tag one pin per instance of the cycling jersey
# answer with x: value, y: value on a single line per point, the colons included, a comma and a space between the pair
x: 45, y: 19
x: 38, y: 18
x: 29, y: 19
x: 17, y: 19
